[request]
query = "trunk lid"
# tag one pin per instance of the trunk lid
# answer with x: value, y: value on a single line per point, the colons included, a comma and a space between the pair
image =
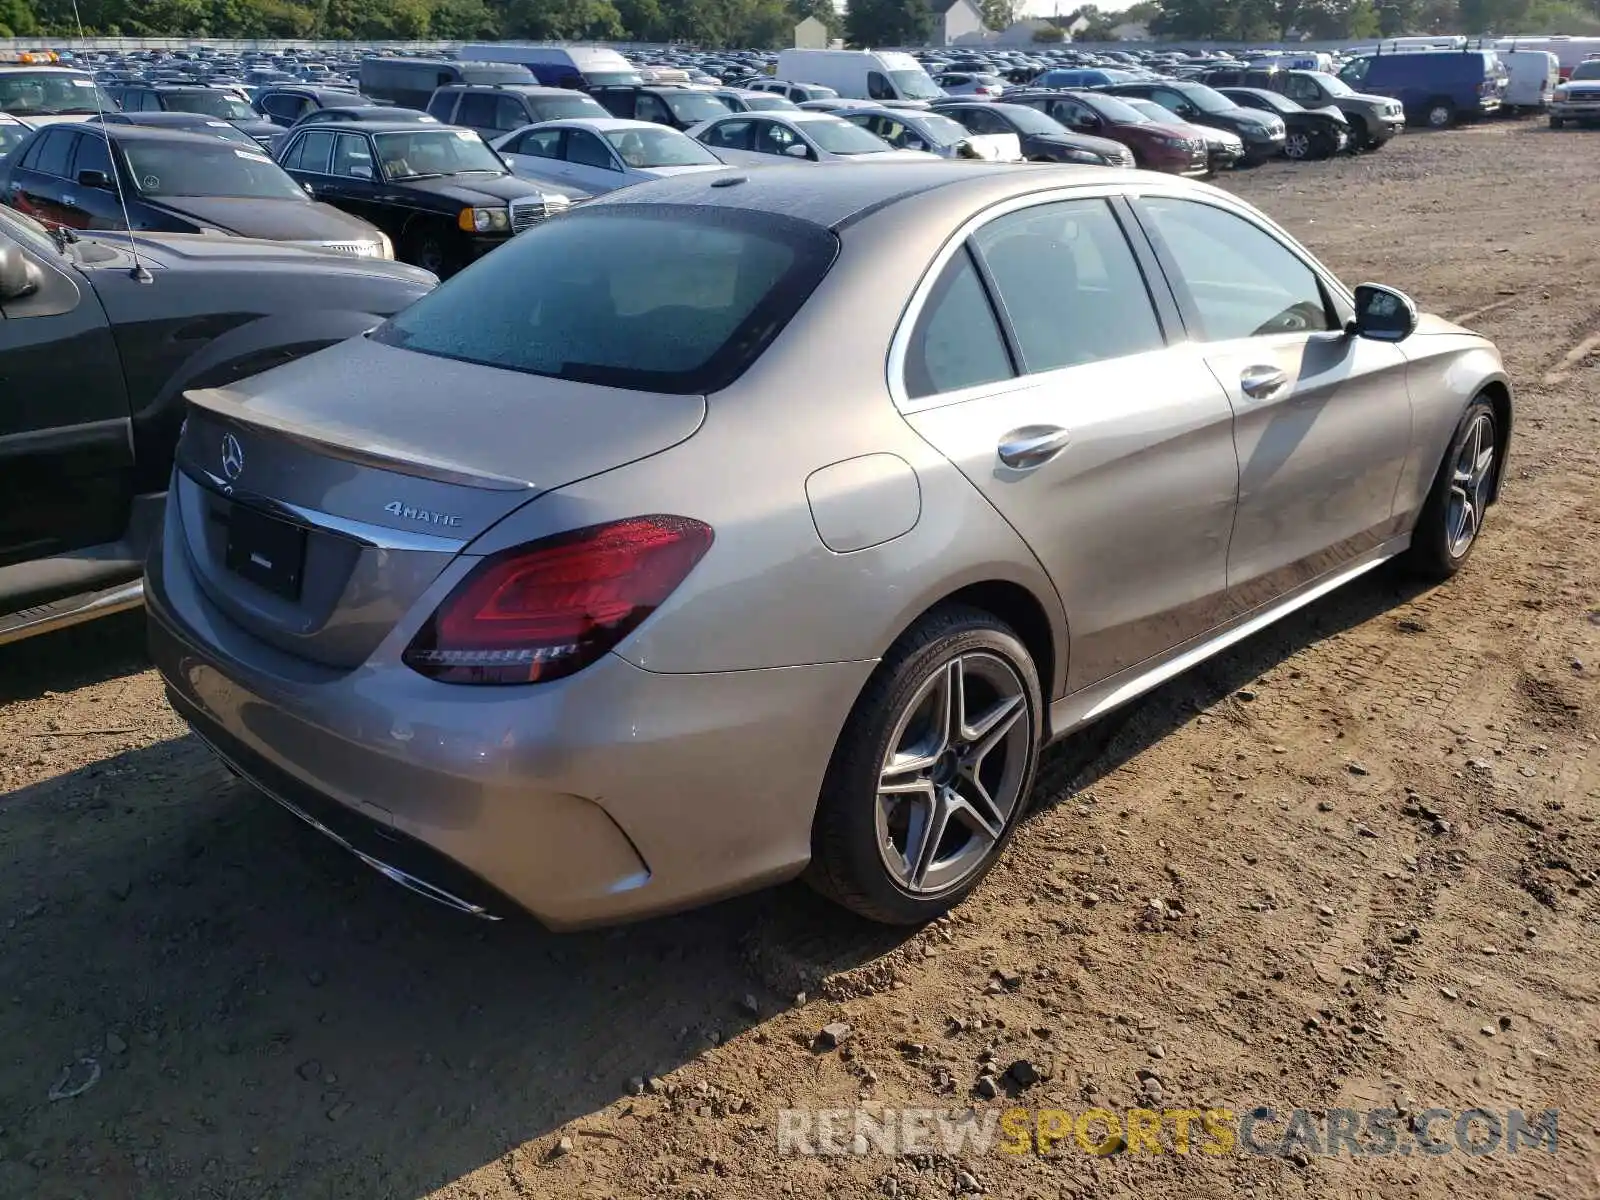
x: 319, y: 501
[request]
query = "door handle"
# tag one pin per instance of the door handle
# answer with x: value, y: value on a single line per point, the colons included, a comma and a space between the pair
x: 1263, y: 383
x: 1033, y: 445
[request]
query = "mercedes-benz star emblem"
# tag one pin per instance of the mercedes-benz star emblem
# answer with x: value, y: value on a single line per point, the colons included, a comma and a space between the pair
x: 232, y: 457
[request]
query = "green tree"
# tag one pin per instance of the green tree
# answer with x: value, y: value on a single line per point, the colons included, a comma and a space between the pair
x: 1361, y: 20
x: 1048, y: 34
x: 588, y: 20
x: 888, y: 23
x: 17, y: 19
x: 999, y: 14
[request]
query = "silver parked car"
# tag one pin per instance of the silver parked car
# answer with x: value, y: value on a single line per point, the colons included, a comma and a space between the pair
x: 602, y: 154
x: 738, y: 526
x: 756, y: 138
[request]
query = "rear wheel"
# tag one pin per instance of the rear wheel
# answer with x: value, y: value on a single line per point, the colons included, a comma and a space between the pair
x: 1441, y: 113
x: 1452, y: 516
x: 932, y: 771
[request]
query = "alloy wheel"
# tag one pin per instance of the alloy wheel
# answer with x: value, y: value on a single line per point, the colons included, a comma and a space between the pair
x: 953, y: 775
x: 1470, y: 478
x: 1298, y: 145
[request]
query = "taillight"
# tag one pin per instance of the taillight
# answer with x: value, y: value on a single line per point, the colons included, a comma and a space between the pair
x: 550, y: 608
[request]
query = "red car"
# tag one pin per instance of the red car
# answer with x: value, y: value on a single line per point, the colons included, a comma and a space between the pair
x: 1157, y: 146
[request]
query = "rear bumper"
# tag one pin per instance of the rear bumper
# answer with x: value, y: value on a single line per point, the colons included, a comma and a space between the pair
x: 614, y: 794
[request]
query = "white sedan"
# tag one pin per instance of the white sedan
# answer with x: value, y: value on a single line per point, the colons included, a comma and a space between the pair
x: 601, y: 154
x: 802, y: 136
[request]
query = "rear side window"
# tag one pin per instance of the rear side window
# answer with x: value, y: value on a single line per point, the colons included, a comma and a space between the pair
x: 311, y: 153
x: 477, y: 110
x: 1069, y: 284
x: 666, y: 298
x: 957, y: 342
x: 54, y: 153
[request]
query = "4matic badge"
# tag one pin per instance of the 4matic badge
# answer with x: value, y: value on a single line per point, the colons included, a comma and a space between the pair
x: 407, y: 513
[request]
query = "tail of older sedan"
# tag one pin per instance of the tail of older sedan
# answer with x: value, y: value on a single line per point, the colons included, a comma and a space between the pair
x: 727, y: 529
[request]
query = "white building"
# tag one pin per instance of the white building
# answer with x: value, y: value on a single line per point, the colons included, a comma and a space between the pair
x: 956, y: 20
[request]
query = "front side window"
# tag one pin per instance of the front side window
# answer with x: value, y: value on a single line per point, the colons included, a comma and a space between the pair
x: 509, y: 114
x: 773, y: 138
x: 1069, y: 284
x: 442, y: 105
x: 1243, y: 281
x: 586, y: 150
x: 310, y: 153
x: 879, y: 87
x: 540, y: 143
x: 351, y: 157
x: 730, y: 135
x: 957, y: 341
x: 476, y: 109
x: 658, y: 297
x: 93, y: 155
x: 838, y: 136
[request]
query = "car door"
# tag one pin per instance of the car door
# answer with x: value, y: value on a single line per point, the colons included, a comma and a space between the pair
x: 39, y: 183
x: 94, y: 207
x: 352, y: 181
x: 66, y: 457
x: 1322, y: 420
x: 536, y: 154
x: 1088, y: 421
x: 732, y: 140
x: 308, y: 158
x: 589, y: 163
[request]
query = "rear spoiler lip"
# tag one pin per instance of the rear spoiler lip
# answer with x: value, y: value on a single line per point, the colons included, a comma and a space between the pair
x: 228, y: 405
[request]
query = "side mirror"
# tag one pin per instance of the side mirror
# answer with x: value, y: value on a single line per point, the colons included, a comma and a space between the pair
x: 1383, y: 314
x: 94, y: 179
x: 18, y: 276
x: 798, y: 150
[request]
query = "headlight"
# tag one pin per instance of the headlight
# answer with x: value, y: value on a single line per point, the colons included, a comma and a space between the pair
x: 1085, y: 156
x: 484, y: 220
x: 1177, y: 143
x: 1561, y: 92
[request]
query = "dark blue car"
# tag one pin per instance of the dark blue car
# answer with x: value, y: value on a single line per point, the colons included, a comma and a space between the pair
x: 1436, y: 87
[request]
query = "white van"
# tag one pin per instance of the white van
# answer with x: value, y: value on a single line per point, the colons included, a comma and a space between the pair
x: 1533, y: 75
x: 860, y: 74
x: 1570, y: 51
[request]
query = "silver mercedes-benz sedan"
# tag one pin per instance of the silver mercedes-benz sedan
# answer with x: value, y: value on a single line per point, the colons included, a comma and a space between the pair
x: 738, y: 527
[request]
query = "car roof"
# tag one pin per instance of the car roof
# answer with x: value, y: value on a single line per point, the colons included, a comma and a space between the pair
x: 533, y: 89
x: 412, y: 126
x: 834, y: 198
x: 144, y: 133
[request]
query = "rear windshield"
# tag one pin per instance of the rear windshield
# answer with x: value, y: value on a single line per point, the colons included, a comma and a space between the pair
x: 662, y: 298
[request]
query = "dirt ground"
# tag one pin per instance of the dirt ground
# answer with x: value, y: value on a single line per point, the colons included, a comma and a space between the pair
x: 1373, y: 831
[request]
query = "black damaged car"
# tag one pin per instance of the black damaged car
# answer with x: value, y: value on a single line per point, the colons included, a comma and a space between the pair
x: 100, y: 336
x: 440, y: 192
x: 1311, y: 133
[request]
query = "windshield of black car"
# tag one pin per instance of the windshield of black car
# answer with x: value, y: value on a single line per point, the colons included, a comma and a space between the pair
x: 50, y: 94
x: 694, y: 107
x: 424, y: 152
x: 1331, y: 84
x: 211, y: 104
x: 1586, y: 70
x: 660, y: 297
x: 659, y: 147
x: 564, y: 108
x: 916, y: 85
x: 173, y: 168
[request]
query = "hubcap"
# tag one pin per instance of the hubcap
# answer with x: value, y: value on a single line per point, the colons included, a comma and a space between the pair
x: 1297, y: 145
x: 1469, y: 485
x: 1439, y: 116
x: 954, y: 772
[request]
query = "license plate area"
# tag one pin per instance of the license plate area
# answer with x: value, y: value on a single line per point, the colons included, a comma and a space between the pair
x: 269, y: 552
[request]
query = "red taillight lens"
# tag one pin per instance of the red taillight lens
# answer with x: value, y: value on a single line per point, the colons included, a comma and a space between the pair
x: 548, y: 609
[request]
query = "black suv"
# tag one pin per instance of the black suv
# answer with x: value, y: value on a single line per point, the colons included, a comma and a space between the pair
x: 663, y: 104
x: 208, y: 102
x: 496, y: 109
x: 99, y: 339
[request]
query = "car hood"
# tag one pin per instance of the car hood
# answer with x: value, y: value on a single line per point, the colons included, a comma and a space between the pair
x: 1170, y: 129
x: 258, y: 129
x: 1584, y: 87
x: 481, y: 189
x: 200, y: 252
x: 1368, y: 98
x: 680, y: 169
x: 878, y: 156
x: 274, y: 220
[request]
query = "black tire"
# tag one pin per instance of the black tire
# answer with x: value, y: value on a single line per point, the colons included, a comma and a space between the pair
x: 1360, y: 136
x: 1557, y: 122
x: 1324, y: 145
x: 1431, y: 555
x: 434, y: 248
x: 847, y: 865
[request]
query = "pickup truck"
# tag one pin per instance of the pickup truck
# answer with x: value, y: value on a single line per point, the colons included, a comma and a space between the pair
x: 99, y: 339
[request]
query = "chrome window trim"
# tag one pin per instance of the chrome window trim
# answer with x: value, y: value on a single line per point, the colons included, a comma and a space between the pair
x: 900, y: 342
